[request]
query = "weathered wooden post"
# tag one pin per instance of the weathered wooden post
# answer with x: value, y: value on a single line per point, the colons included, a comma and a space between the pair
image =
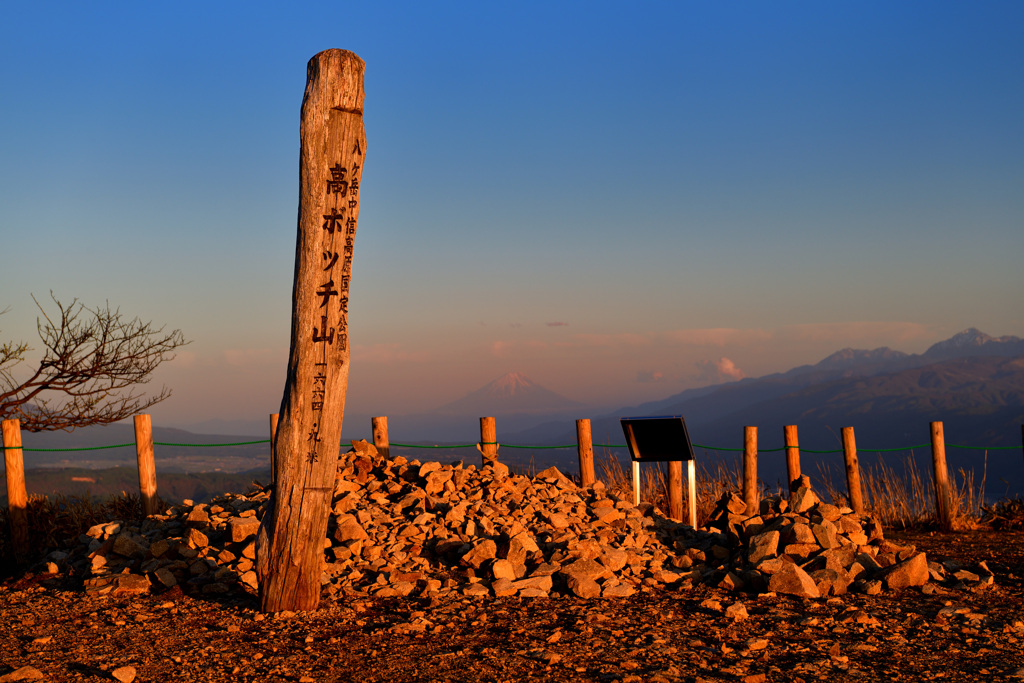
x: 274, y: 418
x: 585, y: 450
x: 943, y: 506
x: 750, y: 469
x: 381, y: 440
x: 488, y: 440
x: 792, y: 456
x: 17, y: 496
x: 675, y: 489
x: 147, y: 466
x: 289, y: 546
x: 852, y: 471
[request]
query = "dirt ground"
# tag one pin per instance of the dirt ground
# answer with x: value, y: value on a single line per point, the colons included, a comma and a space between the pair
x: 668, y: 635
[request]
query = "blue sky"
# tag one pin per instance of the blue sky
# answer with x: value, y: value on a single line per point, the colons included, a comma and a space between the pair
x: 619, y: 200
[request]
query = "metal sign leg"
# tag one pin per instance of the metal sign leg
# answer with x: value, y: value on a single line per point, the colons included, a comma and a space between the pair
x: 691, y: 483
x: 636, y: 483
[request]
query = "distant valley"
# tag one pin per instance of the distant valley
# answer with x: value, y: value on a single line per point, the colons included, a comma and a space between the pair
x: 972, y: 382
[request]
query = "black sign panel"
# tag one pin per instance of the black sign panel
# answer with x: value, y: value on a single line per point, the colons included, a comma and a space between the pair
x: 657, y: 439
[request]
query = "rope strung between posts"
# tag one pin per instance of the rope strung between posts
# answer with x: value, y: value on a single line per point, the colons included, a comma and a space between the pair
x: 509, y: 445
x: 417, y: 445
x: 125, y: 445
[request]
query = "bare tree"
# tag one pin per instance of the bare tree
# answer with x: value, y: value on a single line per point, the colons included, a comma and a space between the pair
x: 89, y: 374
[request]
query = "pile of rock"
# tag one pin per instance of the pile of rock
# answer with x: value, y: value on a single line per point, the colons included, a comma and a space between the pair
x: 400, y: 528
x: 803, y: 546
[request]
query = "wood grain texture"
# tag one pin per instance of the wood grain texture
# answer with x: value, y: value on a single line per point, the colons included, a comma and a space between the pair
x: 274, y: 417
x: 147, y: 465
x: 332, y: 148
x: 792, y: 456
x: 943, y: 501
x: 17, y: 496
x: 381, y: 440
x: 853, y: 487
x: 488, y: 440
x: 750, y: 469
x: 675, y: 489
x: 585, y: 450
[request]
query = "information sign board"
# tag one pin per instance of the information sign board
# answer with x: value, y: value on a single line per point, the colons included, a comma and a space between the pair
x: 657, y: 439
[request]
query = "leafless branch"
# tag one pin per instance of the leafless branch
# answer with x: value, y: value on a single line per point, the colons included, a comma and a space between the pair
x: 93, y: 363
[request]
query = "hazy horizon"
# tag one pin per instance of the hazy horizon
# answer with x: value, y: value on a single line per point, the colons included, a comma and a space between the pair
x: 620, y: 203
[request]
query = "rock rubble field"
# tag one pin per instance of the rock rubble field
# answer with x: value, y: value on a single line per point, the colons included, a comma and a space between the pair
x: 405, y: 528
x: 465, y: 574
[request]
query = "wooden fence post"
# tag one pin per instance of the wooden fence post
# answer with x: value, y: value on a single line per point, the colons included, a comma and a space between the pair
x: 792, y: 456
x: 147, y: 466
x: 750, y: 469
x: 853, y: 486
x: 381, y: 440
x: 17, y: 497
x: 675, y: 489
x: 585, y: 450
x: 488, y: 440
x: 273, y: 435
x: 332, y: 153
x: 942, y: 496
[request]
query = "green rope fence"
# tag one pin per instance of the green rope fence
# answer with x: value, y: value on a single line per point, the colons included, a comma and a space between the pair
x: 509, y: 445
x: 125, y: 445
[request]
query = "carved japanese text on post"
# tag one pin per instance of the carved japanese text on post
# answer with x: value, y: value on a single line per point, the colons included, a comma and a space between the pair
x: 289, y: 553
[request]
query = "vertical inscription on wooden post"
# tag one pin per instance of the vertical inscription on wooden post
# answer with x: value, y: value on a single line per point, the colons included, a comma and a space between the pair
x: 306, y: 445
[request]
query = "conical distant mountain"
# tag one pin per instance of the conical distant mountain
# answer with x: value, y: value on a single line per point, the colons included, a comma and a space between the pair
x: 512, y: 393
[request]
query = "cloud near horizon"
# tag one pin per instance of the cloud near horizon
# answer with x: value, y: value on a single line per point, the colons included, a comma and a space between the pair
x: 721, y: 370
x: 646, y: 376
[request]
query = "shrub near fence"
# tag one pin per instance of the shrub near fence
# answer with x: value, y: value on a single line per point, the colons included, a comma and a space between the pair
x: 895, y: 500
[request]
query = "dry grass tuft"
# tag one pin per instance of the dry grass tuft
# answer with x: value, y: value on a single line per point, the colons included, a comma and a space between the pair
x: 52, y: 521
x: 899, y: 500
x: 712, y: 482
x: 907, y: 500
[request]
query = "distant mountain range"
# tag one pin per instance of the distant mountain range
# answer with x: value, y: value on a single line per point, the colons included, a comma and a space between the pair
x: 972, y: 382
x: 802, y: 394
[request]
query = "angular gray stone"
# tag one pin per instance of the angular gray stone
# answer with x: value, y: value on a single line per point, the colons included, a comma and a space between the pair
x: 243, y: 528
x: 553, y: 475
x: 736, y: 611
x: 25, y: 673
x: 793, y: 580
x: 480, y: 552
x: 583, y: 587
x: 911, y: 572
x: 542, y: 583
x: 126, y: 546
x: 349, y: 530
x: 503, y: 569
x: 589, y: 569
x: 803, y: 499
x: 763, y: 546
x: 124, y: 674
x: 621, y: 590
